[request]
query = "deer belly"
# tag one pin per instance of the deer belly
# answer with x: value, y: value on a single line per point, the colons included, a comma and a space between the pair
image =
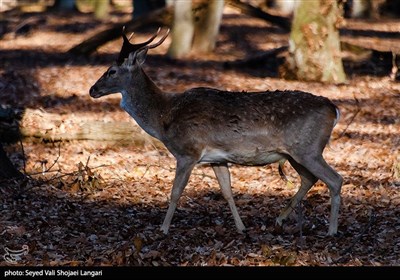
x: 247, y: 157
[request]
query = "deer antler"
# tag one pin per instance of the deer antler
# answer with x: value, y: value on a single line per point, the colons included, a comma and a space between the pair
x: 128, y: 47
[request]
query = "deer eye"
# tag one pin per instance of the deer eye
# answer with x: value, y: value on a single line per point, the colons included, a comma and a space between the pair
x: 112, y: 72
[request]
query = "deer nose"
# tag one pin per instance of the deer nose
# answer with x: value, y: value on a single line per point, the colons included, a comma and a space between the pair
x: 92, y: 90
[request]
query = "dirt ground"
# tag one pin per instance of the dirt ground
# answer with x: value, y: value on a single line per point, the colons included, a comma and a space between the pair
x: 102, y: 203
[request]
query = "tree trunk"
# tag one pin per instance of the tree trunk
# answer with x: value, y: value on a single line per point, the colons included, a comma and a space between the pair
x: 182, y: 29
x: 207, y: 27
x: 286, y: 6
x: 314, y: 45
x: 101, y: 8
x: 7, y: 169
x: 143, y: 7
x: 64, y: 5
x: 55, y: 127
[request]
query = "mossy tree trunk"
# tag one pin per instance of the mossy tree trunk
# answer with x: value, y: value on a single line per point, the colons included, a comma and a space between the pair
x: 314, y: 45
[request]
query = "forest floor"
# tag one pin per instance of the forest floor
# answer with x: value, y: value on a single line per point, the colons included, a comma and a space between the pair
x: 99, y: 203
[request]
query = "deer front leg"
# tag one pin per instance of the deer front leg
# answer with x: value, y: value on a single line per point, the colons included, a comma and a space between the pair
x: 184, y: 168
x: 222, y: 173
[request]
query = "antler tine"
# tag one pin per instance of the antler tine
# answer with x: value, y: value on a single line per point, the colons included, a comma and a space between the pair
x: 124, y: 36
x: 131, y: 46
x: 126, y: 48
x: 151, y: 38
x: 161, y: 40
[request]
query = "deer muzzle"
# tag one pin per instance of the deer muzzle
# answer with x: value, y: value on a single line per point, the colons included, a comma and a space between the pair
x: 94, y: 92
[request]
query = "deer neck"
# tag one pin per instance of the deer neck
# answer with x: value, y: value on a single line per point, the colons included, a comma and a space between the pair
x: 144, y: 102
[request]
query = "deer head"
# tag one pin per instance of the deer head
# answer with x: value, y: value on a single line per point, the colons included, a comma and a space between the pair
x: 130, y: 57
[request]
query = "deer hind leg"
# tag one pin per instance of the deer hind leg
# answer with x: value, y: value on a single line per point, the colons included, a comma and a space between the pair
x: 184, y: 168
x: 307, y: 181
x: 318, y: 166
x: 223, y: 176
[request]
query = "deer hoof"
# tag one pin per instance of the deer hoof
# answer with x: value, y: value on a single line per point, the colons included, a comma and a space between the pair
x: 279, y: 221
x: 164, y: 230
x: 332, y: 232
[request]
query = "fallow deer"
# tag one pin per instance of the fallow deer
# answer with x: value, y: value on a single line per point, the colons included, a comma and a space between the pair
x: 208, y: 125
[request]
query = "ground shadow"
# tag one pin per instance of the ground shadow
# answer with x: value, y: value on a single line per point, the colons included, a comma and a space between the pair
x: 63, y: 228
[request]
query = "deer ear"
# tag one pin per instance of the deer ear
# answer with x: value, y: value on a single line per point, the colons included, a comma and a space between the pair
x: 141, y: 55
x: 138, y: 56
x: 130, y: 60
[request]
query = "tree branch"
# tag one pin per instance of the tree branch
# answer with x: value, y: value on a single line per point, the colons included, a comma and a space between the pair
x: 250, y: 10
x: 163, y: 16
